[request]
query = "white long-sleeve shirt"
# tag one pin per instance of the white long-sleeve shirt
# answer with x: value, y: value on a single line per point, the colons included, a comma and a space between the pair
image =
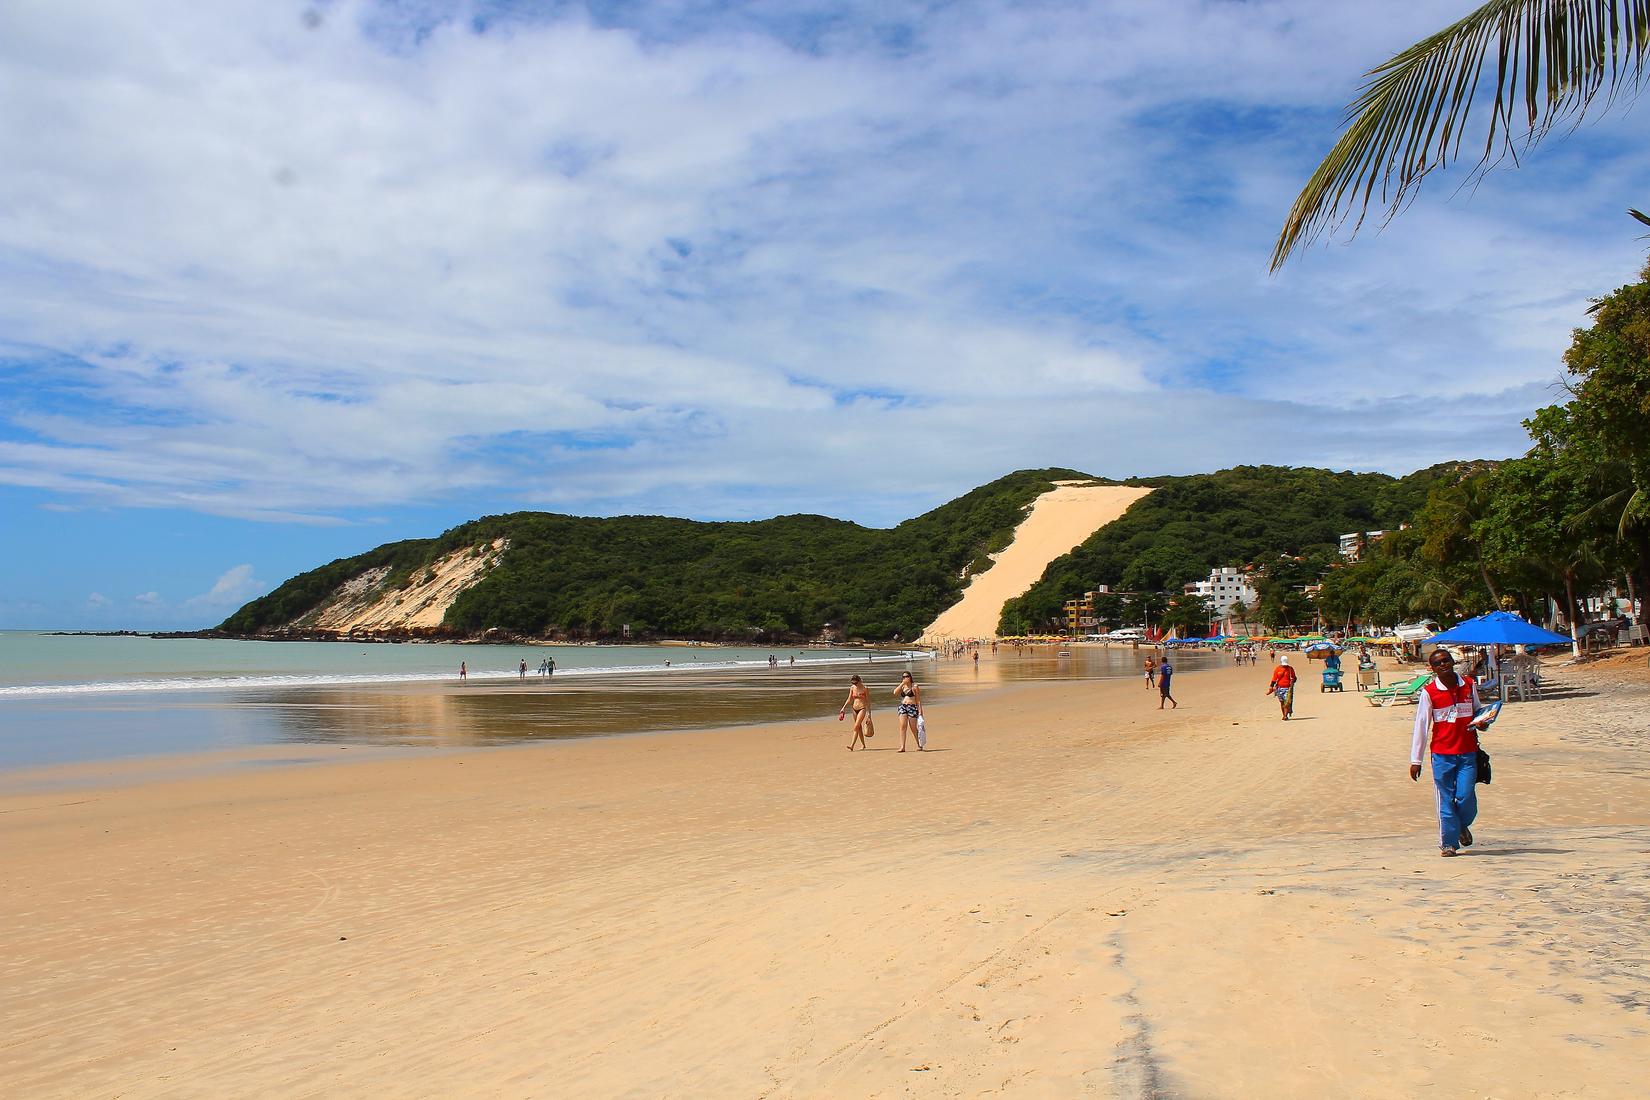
x: 1423, y: 720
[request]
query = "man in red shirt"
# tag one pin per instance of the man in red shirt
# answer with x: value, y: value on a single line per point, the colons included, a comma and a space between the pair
x: 1283, y: 686
x: 1445, y: 708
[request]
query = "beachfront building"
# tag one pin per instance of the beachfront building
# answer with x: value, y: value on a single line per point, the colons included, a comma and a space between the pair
x: 1354, y: 545
x: 1080, y: 614
x: 1226, y: 587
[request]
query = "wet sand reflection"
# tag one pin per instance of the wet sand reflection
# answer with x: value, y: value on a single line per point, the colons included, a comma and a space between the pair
x: 510, y: 712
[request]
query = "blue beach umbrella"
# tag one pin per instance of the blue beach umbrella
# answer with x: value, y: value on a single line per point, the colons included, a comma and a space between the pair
x: 1498, y: 628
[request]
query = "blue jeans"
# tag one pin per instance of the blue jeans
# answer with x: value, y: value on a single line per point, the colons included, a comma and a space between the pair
x: 1455, y: 775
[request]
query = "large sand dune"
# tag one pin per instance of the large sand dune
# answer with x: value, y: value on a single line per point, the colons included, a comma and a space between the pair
x: 1060, y: 519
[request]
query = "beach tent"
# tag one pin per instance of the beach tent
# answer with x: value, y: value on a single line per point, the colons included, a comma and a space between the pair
x: 1498, y: 628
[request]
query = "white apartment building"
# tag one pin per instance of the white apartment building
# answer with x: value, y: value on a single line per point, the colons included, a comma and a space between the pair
x: 1226, y: 586
x: 1352, y: 545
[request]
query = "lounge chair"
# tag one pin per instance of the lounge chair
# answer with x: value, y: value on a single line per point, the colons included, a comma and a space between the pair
x: 1406, y: 692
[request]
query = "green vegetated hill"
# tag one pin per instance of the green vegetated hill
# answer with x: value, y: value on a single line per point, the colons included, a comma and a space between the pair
x: 786, y: 577
x: 1190, y: 524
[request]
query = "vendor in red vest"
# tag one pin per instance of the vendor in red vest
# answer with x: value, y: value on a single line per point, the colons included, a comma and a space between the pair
x: 1445, y: 710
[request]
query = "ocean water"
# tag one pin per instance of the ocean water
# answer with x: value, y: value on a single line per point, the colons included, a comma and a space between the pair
x: 35, y: 664
x: 75, y: 698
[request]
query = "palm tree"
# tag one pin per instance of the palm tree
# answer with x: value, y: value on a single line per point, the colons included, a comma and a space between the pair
x: 1453, y: 514
x: 1552, y: 58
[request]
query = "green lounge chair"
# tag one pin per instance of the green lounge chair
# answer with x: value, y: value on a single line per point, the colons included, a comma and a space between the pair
x: 1406, y: 692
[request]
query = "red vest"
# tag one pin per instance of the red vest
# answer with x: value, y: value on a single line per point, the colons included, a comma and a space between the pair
x: 1451, y: 713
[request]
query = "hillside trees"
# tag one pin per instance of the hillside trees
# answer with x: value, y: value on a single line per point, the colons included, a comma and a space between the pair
x: 1545, y: 530
x: 781, y: 578
x: 1450, y: 520
x: 1188, y: 615
x: 1187, y: 525
x: 1609, y: 419
x: 1280, y: 589
x: 1108, y: 611
x: 1145, y: 608
x: 1530, y: 530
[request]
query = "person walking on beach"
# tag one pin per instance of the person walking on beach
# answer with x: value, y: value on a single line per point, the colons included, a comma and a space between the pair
x: 550, y: 667
x: 524, y: 668
x: 1151, y: 673
x: 910, y: 711
x: 859, y: 697
x: 1283, y: 686
x: 1445, y: 709
x: 463, y: 671
x: 1165, y: 672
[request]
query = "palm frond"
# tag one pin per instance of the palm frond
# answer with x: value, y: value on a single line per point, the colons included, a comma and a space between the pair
x: 1631, y: 512
x: 1552, y: 58
x: 1632, y: 500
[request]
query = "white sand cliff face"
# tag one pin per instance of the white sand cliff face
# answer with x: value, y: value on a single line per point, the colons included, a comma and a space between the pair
x: 1058, y: 522
x: 365, y: 604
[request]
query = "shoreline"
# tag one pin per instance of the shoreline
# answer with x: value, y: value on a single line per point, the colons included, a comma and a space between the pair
x: 753, y: 911
x: 432, y: 637
x: 365, y: 697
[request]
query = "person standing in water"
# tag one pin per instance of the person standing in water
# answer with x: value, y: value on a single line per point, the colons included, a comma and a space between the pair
x: 859, y: 697
x: 910, y: 710
x: 463, y: 671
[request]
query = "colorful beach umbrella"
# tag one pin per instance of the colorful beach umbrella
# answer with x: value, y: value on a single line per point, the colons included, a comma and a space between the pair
x: 1498, y: 628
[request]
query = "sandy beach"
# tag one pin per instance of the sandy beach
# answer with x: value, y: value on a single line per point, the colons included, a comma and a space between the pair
x: 1075, y: 894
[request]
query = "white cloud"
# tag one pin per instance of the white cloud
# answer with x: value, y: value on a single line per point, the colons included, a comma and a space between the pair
x: 150, y: 600
x: 97, y: 601
x: 233, y: 588
x: 263, y: 267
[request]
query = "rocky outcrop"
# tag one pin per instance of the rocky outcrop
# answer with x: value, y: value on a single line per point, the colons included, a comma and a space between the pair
x: 367, y: 604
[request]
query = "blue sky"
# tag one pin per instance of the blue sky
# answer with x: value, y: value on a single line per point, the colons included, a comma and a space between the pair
x: 283, y: 281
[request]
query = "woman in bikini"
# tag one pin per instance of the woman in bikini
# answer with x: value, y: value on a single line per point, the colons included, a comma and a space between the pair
x: 859, y: 697
x: 910, y: 709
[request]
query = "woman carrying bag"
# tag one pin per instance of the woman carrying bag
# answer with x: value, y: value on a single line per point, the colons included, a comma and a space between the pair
x: 909, y: 696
